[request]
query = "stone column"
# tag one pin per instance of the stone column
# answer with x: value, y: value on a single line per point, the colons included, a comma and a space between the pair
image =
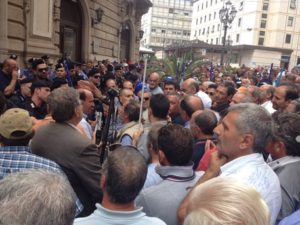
x: 3, y: 33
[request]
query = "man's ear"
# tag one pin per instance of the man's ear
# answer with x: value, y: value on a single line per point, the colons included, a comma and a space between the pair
x: 247, y: 141
x: 162, y: 157
x: 78, y: 111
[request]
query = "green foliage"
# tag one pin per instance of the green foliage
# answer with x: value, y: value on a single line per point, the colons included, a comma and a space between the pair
x: 176, y: 67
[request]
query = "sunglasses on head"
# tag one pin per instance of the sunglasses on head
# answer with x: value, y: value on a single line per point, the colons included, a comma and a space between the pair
x: 97, y: 77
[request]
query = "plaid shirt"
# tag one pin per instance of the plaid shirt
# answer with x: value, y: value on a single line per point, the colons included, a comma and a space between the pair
x: 17, y: 158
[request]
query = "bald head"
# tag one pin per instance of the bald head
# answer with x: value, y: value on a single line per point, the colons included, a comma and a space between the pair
x: 190, y: 86
x: 240, y: 97
x: 87, y: 99
x: 189, y: 104
x: 153, y: 80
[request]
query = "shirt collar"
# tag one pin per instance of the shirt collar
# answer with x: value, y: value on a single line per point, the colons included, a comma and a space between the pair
x: 283, y: 161
x: 234, y: 165
x: 176, y: 173
x: 15, y: 149
x: 137, y: 213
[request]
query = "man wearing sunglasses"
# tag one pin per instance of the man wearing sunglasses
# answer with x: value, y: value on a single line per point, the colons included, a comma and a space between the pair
x: 40, y: 69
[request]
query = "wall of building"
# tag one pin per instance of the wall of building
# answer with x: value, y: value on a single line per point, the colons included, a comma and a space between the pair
x: 166, y: 23
x: 31, y: 28
x: 247, y: 27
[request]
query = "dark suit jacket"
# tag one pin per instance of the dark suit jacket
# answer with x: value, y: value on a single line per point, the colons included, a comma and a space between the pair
x: 76, y: 155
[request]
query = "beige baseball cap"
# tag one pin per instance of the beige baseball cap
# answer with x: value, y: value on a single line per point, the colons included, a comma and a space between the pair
x: 15, y: 123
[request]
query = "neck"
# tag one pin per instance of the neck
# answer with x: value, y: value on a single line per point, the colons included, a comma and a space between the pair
x: 115, y: 206
x: 74, y: 121
x: 155, y: 119
x: 36, y: 100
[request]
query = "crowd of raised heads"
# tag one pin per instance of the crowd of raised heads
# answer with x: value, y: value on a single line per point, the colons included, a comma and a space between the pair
x: 89, y: 143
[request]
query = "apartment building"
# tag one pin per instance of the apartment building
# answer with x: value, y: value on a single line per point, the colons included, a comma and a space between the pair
x: 265, y: 25
x: 167, y: 22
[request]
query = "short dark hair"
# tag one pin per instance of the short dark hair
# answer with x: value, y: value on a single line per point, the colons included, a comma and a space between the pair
x: 133, y: 110
x: 286, y: 128
x: 206, y: 121
x: 125, y: 170
x: 159, y: 105
x: 291, y: 91
x: 177, y: 144
x: 230, y: 87
x: 62, y: 103
x: 172, y: 82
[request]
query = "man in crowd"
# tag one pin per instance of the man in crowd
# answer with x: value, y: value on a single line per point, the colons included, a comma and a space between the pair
x: 15, y: 154
x: 170, y: 86
x: 87, y: 100
x: 22, y: 95
x: 240, y: 97
x: 283, y: 95
x: 121, y: 182
x: 158, y: 113
x: 153, y: 83
x: 191, y: 87
x: 202, y: 124
x: 40, y: 69
x: 8, y: 77
x: 267, y: 92
x: 175, y: 145
x: 241, y: 138
x: 174, y: 111
x: 188, y: 105
x: 223, y: 96
x: 36, y: 197
x: 63, y: 143
x: 36, y: 105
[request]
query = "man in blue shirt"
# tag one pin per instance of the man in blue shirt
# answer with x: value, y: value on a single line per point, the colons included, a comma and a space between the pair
x: 8, y: 77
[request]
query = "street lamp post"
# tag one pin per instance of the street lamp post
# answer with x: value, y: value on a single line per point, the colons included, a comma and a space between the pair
x: 227, y: 14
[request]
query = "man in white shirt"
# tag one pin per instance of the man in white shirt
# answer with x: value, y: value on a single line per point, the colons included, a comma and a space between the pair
x: 267, y: 92
x: 241, y: 137
x: 87, y: 100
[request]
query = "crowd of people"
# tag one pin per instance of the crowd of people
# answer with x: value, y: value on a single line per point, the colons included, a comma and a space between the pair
x: 220, y: 149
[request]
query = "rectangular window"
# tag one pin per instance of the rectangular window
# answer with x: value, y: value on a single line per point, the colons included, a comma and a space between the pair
x: 290, y: 21
x: 263, y: 24
x: 237, y: 38
x: 163, y: 31
x: 197, y: 21
x: 209, y: 17
x: 199, y: 32
x: 213, y: 29
x: 262, y: 33
x: 208, y: 30
x: 217, y: 41
x: 218, y: 27
x: 204, y: 19
x: 288, y: 38
x: 239, y: 22
x: 171, y: 10
x: 211, y: 41
x: 215, y: 15
x: 264, y: 16
x: 266, y: 6
x: 241, y: 5
x: 293, y: 4
x: 261, y: 41
x: 203, y: 31
x: 201, y: 20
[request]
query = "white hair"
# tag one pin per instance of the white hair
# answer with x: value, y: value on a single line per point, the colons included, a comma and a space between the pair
x: 225, y: 201
x: 36, y: 197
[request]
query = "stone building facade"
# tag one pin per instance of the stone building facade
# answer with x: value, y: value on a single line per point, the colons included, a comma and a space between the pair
x: 79, y: 29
